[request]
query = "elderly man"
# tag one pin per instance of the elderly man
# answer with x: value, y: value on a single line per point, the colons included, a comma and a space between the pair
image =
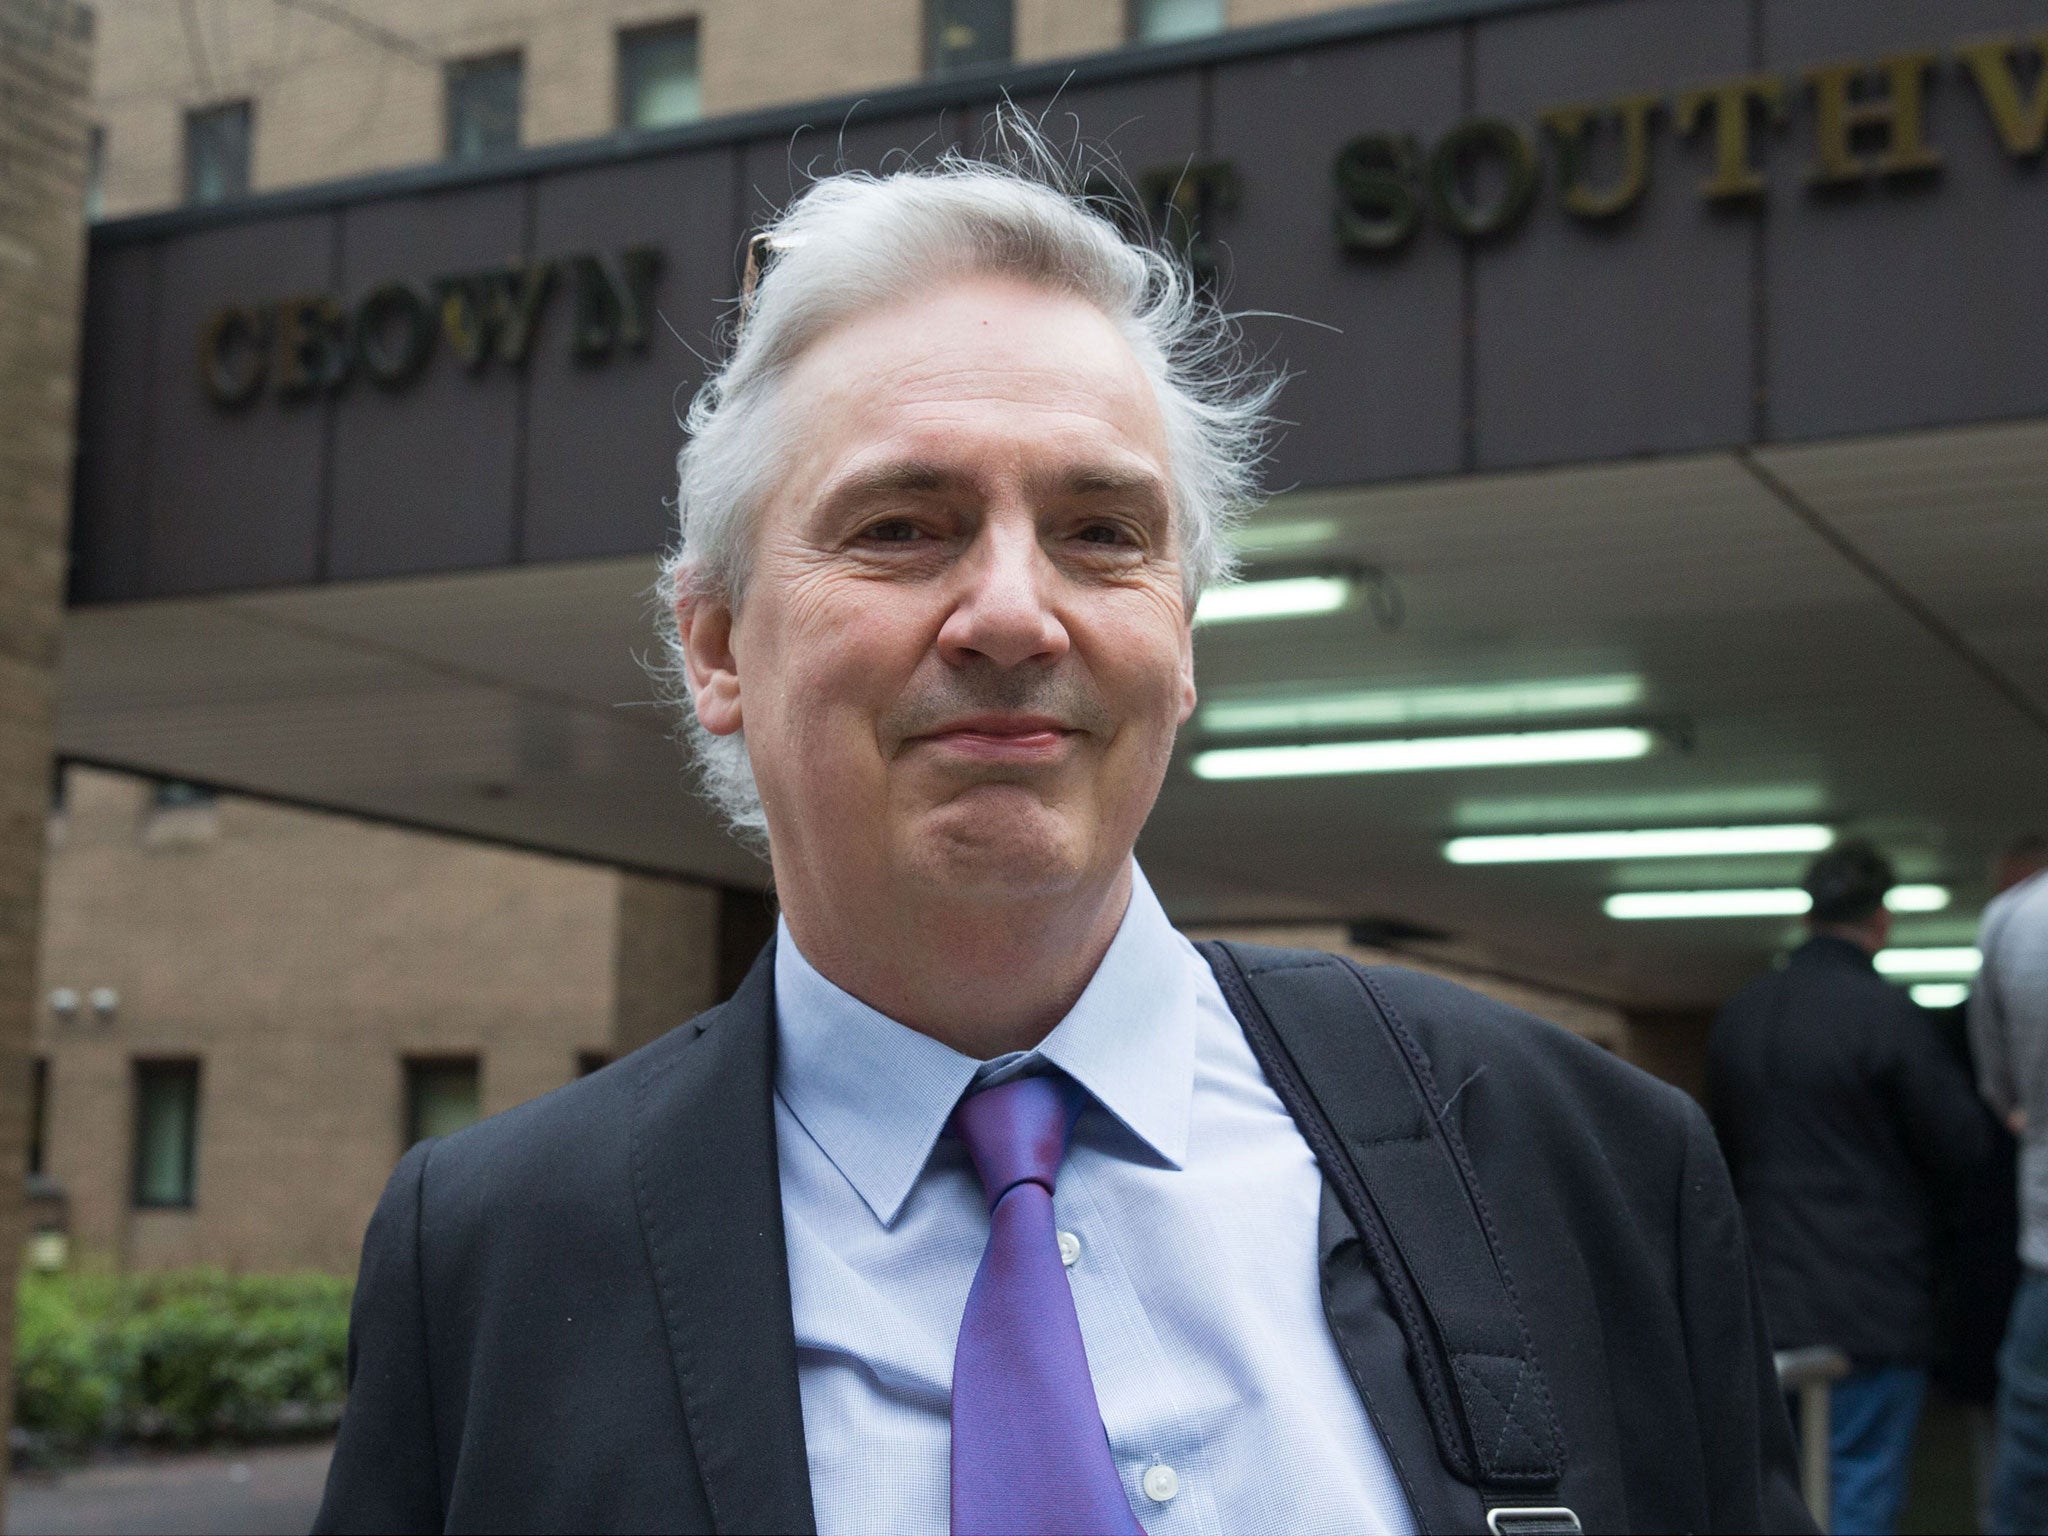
x: 990, y: 1203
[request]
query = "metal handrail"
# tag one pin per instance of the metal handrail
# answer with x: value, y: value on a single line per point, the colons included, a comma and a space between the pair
x: 1810, y: 1372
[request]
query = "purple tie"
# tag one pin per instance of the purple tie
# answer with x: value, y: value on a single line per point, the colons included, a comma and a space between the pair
x: 1030, y: 1455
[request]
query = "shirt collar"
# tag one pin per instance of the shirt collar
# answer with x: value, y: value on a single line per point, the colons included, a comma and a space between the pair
x: 875, y: 1095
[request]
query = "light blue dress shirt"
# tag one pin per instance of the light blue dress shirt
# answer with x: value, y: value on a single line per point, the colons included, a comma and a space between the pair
x: 1187, y: 1206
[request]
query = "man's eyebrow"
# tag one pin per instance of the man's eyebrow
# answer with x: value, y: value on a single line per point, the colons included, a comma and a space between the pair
x: 904, y: 477
x: 1108, y: 480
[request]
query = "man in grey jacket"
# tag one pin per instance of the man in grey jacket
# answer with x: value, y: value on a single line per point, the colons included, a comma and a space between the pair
x: 2009, y: 1035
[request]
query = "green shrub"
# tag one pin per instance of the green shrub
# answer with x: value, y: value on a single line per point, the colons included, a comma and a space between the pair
x: 183, y: 1357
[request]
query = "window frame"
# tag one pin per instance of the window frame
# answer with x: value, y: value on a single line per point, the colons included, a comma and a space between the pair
x: 932, y: 51
x: 414, y: 1066
x: 625, y: 37
x: 38, y: 1115
x: 95, y: 172
x: 194, y: 116
x: 143, y: 1068
x: 1134, y: 12
x: 455, y: 70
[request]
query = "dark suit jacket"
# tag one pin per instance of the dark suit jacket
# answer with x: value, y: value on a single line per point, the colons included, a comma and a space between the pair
x: 1842, y: 1119
x: 576, y: 1315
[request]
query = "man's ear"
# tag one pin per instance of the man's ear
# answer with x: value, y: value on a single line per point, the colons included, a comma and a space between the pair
x: 709, y: 666
x: 1187, y: 672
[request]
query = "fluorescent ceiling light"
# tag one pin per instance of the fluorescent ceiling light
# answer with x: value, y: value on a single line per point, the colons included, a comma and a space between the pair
x: 1774, y: 901
x: 1290, y: 597
x: 1653, y: 843
x: 1410, y: 706
x: 1917, y: 898
x: 1956, y: 960
x: 1331, y: 757
x: 1720, y: 805
x: 1635, y: 905
x: 1265, y: 537
x: 1940, y: 994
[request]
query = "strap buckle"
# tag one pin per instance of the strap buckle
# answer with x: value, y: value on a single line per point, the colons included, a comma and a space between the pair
x: 1532, y: 1520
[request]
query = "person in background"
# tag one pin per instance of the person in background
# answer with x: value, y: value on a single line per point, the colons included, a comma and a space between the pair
x: 1841, y: 1116
x: 1976, y: 1272
x: 2009, y: 1034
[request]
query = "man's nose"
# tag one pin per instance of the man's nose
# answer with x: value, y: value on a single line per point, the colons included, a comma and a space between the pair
x: 1002, y: 614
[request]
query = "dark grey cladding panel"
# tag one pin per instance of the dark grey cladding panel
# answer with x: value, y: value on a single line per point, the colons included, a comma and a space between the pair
x: 601, y: 439
x: 773, y: 171
x: 424, y: 478
x: 1905, y: 305
x: 233, y: 496
x: 1142, y: 125
x: 1375, y: 344
x: 1633, y: 335
x: 110, y: 542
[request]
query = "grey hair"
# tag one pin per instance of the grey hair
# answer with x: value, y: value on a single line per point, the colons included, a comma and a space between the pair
x: 852, y: 243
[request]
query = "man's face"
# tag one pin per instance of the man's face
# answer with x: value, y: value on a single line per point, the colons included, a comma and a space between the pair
x: 963, y: 648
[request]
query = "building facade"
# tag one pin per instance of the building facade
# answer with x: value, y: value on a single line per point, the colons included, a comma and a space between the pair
x: 219, y: 97
x: 247, y: 1011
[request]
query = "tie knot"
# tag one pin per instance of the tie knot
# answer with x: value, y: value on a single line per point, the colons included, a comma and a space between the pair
x: 1018, y: 1131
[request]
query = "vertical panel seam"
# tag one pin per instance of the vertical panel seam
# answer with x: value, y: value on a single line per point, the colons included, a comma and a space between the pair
x: 152, y: 399
x: 330, y: 416
x: 1759, y: 273
x: 1468, y: 275
x: 522, y: 399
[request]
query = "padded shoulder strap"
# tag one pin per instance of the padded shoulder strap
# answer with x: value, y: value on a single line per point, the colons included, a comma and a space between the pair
x: 1361, y: 1089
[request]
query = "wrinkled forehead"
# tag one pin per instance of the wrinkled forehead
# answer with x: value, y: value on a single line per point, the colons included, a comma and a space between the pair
x: 988, y: 375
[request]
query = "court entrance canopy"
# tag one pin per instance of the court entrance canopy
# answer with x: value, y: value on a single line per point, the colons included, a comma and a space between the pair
x: 1675, y: 370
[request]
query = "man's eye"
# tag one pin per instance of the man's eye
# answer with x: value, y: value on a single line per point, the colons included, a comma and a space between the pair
x: 1104, y: 533
x: 897, y: 530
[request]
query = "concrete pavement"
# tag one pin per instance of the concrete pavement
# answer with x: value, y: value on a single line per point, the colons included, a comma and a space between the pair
x: 254, y: 1492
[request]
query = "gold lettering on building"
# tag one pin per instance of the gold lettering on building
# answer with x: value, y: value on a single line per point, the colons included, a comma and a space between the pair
x: 1572, y: 129
x: 1887, y: 103
x: 2021, y: 122
x: 1732, y: 108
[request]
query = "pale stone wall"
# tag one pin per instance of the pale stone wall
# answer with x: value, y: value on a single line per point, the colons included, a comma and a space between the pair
x: 45, y: 48
x: 336, y: 99
x: 301, y: 957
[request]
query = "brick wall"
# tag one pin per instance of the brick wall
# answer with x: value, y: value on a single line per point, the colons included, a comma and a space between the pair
x: 301, y: 958
x: 337, y: 99
x: 45, y: 50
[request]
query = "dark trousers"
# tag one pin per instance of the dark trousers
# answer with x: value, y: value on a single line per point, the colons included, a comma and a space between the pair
x: 2019, y: 1478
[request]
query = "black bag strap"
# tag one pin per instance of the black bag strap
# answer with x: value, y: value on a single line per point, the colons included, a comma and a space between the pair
x: 1362, y: 1092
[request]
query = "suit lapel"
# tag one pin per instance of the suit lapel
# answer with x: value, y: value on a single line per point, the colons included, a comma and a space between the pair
x: 710, y: 1201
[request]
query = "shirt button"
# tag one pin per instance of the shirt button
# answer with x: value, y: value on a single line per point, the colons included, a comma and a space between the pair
x: 1070, y: 1250
x: 1161, y: 1483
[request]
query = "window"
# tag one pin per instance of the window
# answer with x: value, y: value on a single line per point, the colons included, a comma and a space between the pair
x: 483, y: 106
x: 217, y: 152
x: 178, y: 794
x: 166, y: 1132
x: 658, y: 76
x: 38, y: 1112
x: 1168, y: 21
x: 963, y: 34
x: 440, y: 1096
x: 95, y: 171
